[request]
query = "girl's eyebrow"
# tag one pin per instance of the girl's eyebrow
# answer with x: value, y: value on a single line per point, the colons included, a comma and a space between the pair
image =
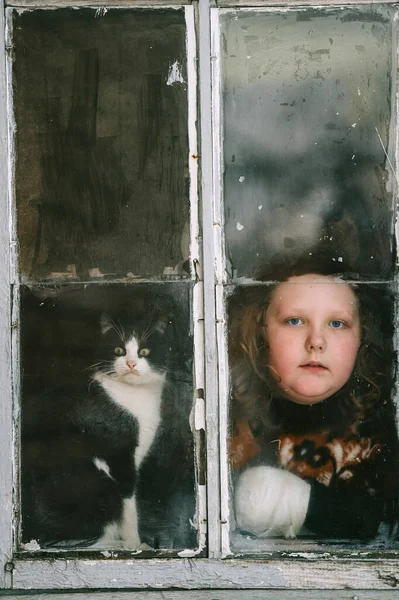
x: 339, y: 312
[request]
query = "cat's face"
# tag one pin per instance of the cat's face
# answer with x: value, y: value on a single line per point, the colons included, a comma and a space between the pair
x: 134, y: 351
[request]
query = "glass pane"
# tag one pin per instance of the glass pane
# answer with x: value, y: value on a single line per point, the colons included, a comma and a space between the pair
x: 100, y: 103
x: 313, y: 442
x: 107, y: 450
x: 309, y: 113
x: 309, y: 136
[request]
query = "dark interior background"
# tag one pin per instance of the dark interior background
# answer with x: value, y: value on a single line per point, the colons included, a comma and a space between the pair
x: 101, y: 140
x: 60, y: 335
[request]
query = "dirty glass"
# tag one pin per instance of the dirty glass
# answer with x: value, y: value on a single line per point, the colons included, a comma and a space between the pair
x: 313, y: 450
x: 309, y: 117
x: 100, y: 101
x: 309, y: 136
x: 101, y: 204
x: 106, y: 398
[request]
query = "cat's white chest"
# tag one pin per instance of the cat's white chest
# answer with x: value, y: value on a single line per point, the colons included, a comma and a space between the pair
x: 144, y: 403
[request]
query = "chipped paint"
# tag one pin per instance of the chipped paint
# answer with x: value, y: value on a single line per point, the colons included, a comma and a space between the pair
x: 199, y: 418
x: 175, y: 74
x: 96, y: 272
x: 188, y: 553
x: 101, y: 12
x: 31, y: 546
x: 308, y: 555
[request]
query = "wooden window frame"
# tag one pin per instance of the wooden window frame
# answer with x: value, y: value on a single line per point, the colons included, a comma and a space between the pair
x: 281, y: 570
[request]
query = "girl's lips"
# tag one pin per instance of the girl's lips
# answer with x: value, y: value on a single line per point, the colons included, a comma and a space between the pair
x: 313, y: 367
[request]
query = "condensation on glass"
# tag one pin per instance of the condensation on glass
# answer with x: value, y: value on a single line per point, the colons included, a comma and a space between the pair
x: 102, y: 209
x: 100, y: 101
x: 308, y: 104
x: 309, y: 122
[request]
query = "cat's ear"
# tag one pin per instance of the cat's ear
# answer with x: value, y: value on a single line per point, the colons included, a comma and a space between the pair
x: 162, y: 323
x: 106, y: 323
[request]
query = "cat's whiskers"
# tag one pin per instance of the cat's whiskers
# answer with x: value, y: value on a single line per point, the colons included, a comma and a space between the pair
x: 148, y: 331
x: 117, y: 327
x: 119, y: 330
x: 92, y: 380
x: 108, y: 373
x: 95, y: 365
x: 166, y: 370
x: 169, y: 384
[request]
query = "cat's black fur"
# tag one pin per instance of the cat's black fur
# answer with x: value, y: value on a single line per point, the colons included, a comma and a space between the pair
x: 65, y: 497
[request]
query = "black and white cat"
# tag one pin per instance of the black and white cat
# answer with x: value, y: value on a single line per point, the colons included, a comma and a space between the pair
x: 82, y: 447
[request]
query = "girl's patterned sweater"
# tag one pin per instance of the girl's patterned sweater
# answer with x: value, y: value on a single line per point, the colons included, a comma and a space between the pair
x: 352, y: 468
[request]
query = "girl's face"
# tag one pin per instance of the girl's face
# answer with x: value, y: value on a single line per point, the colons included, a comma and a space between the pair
x: 313, y: 334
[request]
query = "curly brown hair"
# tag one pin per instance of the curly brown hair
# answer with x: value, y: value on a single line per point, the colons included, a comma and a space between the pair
x: 253, y: 386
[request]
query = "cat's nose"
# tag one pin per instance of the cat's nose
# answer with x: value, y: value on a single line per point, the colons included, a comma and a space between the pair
x: 131, y: 364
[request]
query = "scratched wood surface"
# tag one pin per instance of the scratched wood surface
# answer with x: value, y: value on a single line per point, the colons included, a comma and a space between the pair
x: 293, y: 3
x: 209, y: 595
x: 306, y: 574
x: 108, y: 3
x: 318, y: 579
x: 5, y: 346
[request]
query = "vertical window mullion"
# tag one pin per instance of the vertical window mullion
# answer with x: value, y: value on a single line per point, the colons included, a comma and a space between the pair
x: 6, y: 405
x: 188, y: 97
x: 211, y: 372
x: 195, y: 249
x: 221, y: 277
x: 394, y: 136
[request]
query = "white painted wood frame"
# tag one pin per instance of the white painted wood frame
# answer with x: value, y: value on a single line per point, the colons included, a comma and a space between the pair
x: 280, y: 573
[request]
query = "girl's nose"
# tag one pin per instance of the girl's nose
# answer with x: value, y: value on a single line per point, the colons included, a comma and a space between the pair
x: 315, y: 341
x: 131, y: 364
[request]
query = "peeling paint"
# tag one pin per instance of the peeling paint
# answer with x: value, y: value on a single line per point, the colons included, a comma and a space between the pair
x: 189, y: 553
x: 175, y: 74
x: 101, y: 12
x: 309, y: 555
x: 96, y: 272
x: 31, y: 546
x: 199, y: 418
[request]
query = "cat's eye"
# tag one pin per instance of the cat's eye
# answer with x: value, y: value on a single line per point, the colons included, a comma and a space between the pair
x: 119, y: 351
x: 144, y: 352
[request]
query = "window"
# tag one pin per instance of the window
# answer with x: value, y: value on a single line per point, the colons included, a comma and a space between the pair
x: 115, y: 208
x: 94, y: 196
x: 322, y: 191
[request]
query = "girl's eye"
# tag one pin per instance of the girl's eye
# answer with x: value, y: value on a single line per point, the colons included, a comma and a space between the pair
x: 337, y: 324
x: 119, y: 351
x: 294, y: 321
x: 144, y: 352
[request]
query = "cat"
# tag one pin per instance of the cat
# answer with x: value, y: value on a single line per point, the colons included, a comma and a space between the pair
x: 82, y: 447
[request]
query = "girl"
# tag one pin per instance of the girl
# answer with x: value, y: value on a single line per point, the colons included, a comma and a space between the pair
x: 314, y: 439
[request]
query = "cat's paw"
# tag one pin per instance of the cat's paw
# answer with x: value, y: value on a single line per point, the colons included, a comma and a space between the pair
x: 131, y: 542
x: 270, y: 501
x: 144, y: 547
